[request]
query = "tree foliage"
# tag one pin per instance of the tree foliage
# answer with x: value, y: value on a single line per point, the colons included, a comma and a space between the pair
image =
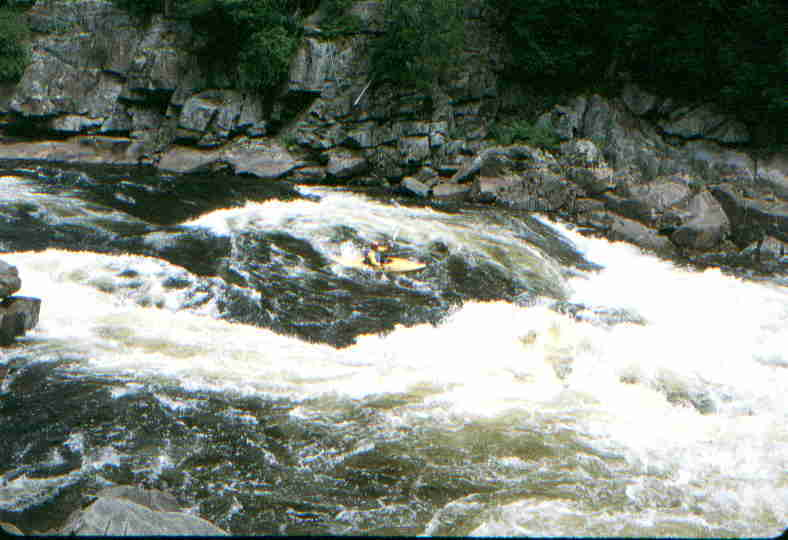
x: 14, y: 54
x: 254, y: 40
x: 421, y: 39
x: 734, y: 52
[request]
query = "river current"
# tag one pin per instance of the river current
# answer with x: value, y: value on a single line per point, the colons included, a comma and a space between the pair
x: 198, y: 336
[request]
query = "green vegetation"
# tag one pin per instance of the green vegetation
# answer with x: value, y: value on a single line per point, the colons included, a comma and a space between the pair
x: 524, y: 131
x: 336, y: 20
x: 734, y: 52
x: 14, y: 54
x: 421, y: 39
x: 252, y: 40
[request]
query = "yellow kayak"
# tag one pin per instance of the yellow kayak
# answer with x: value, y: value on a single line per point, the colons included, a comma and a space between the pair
x: 394, y: 264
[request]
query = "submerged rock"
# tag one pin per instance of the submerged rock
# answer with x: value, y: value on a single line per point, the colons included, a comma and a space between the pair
x: 130, y: 511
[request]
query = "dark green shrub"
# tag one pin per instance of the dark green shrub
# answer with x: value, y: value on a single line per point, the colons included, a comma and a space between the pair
x: 252, y: 41
x: 735, y: 53
x: 421, y: 39
x: 14, y: 54
x: 524, y: 131
x: 265, y: 59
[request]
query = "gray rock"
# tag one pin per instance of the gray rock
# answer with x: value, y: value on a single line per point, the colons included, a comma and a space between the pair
x: 592, y: 180
x: 449, y: 190
x: 182, y: 159
x: 752, y: 218
x: 344, y: 164
x: 566, y: 121
x: 159, y: 61
x: 313, y: 67
x: 414, y: 150
x: 704, y: 121
x: 18, y: 314
x: 773, y: 174
x: 265, y: 159
x: 9, y: 280
x: 621, y: 228
x: 128, y: 511
x: 638, y: 100
x: 705, y: 224
x: 414, y: 187
x: 582, y: 153
x: 649, y: 202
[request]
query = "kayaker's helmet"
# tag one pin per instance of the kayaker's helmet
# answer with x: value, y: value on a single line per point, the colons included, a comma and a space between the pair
x: 380, y: 246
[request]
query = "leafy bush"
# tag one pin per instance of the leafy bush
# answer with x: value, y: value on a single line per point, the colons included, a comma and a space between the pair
x: 421, y: 39
x: 523, y: 131
x: 336, y: 19
x: 14, y: 54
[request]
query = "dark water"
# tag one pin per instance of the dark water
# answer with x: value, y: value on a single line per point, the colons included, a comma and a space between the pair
x: 197, y: 337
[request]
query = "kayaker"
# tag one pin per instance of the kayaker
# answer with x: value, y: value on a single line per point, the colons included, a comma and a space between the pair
x: 377, y: 254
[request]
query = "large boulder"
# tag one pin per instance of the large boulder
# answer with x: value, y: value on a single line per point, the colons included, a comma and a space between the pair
x: 705, y: 223
x: 751, y: 217
x: 705, y: 122
x: 129, y: 511
x: 9, y: 280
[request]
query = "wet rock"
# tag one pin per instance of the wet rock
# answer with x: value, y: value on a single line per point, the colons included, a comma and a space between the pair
x: 129, y: 511
x: 264, y: 159
x: 8, y: 528
x: 413, y: 186
x: 18, y: 314
x: 446, y: 190
x: 620, y: 228
x: 705, y: 224
x: 344, y: 164
x: 183, y: 159
x: 752, y: 218
x: 9, y: 280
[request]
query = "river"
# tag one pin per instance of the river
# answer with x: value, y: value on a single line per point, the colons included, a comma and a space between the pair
x: 198, y: 336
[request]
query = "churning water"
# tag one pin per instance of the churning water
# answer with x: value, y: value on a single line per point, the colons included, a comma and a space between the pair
x: 529, y: 381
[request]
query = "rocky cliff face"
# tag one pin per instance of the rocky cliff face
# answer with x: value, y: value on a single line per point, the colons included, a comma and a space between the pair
x: 669, y: 176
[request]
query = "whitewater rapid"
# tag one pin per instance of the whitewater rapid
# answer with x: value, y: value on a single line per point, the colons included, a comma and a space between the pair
x: 685, y: 417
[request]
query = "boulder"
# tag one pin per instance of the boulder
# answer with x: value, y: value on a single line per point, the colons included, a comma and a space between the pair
x: 628, y: 230
x: 413, y: 186
x: 650, y: 202
x: 129, y: 511
x: 705, y: 224
x: 264, y: 159
x: 18, y: 314
x: 752, y: 218
x: 637, y: 100
x: 9, y: 280
x: 705, y: 122
x: 344, y: 164
x: 449, y: 190
x: 581, y: 153
x: 566, y: 121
